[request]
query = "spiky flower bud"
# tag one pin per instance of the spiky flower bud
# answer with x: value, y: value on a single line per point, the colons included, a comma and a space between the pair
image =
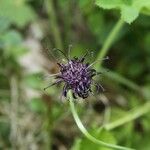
x: 77, y: 76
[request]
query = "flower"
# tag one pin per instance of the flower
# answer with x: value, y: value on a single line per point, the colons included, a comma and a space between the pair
x: 77, y: 76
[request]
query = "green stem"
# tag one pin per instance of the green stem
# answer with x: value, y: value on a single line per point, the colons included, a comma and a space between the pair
x: 14, y: 134
x: 48, y: 128
x: 133, y: 114
x: 108, y: 42
x: 54, y: 24
x: 120, y: 79
x: 85, y: 132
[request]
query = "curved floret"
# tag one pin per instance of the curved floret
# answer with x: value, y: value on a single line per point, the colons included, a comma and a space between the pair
x: 77, y: 76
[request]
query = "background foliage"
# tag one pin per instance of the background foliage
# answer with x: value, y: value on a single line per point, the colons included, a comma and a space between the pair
x: 31, y: 118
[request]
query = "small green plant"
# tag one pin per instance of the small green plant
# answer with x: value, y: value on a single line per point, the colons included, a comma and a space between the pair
x: 33, y: 118
x: 129, y: 12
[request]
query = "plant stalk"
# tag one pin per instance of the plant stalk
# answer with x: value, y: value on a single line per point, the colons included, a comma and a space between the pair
x: 109, y: 41
x: 54, y: 24
x: 120, y: 79
x: 85, y: 132
x: 14, y: 112
x: 132, y: 115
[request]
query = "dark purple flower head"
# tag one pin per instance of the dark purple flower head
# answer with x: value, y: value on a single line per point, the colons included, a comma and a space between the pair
x: 77, y: 76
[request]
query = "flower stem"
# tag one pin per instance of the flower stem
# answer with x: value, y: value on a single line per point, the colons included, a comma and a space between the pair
x: 86, y: 133
x: 120, y: 79
x: 14, y: 134
x: 109, y: 41
x: 53, y: 22
x: 133, y: 114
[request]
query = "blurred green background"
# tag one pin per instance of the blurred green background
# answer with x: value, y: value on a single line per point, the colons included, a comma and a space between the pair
x: 34, y: 119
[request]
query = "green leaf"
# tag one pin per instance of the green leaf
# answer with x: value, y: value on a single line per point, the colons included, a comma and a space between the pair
x: 11, y: 38
x: 32, y: 80
x: 76, y: 145
x: 109, y: 4
x: 11, y: 42
x: 17, y: 12
x: 129, y: 9
x: 129, y: 14
x: 4, y: 24
x: 37, y: 105
x: 85, y: 144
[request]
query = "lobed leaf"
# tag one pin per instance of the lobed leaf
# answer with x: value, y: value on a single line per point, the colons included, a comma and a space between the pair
x: 17, y: 12
x: 129, y: 9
